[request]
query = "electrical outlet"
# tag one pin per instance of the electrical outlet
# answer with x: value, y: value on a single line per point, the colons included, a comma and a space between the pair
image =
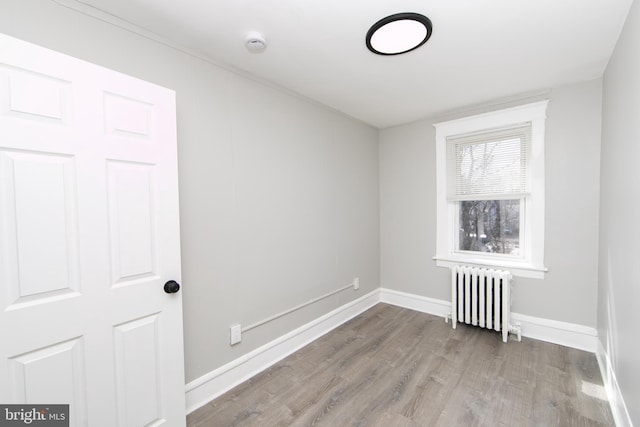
x: 356, y: 283
x: 235, y: 334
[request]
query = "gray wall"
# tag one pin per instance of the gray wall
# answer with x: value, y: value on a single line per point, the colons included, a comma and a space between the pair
x: 572, y: 156
x: 619, y: 271
x: 279, y: 196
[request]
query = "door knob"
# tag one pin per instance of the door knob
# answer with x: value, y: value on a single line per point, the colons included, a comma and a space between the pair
x: 171, y: 287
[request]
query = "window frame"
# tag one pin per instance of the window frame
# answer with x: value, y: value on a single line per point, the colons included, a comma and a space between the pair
x: 531, y: 262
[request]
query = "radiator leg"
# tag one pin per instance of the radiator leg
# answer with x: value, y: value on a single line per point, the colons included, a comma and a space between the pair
x: 516, y: 329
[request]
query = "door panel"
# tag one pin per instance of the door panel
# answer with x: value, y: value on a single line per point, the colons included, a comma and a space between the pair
x: 42, y: 375
x: 41, y: 226
x: 132, y: 220
x: 138, y: 372
x: 89, y: 234
x: 34, y: 96
x: 128, y: 117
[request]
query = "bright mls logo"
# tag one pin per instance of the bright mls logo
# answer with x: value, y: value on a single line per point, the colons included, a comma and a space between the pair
x: 34, y: 415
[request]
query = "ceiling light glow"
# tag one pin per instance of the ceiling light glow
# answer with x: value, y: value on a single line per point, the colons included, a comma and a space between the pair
x: 399, y: 33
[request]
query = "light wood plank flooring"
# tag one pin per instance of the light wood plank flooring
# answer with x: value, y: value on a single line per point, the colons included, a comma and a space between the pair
x: 396, y: 367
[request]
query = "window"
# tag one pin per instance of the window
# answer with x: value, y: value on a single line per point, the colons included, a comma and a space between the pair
x: 490, y: 179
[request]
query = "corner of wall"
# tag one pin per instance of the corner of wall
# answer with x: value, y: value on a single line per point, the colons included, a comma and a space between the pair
x: 618, y: 407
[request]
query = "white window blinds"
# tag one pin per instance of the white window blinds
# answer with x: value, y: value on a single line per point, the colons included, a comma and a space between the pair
x: 491, y: 164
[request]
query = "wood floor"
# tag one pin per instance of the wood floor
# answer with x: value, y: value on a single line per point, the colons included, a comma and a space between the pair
x: 393, y: 367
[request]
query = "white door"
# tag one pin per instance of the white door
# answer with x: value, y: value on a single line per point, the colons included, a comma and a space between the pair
x: 89, y: 235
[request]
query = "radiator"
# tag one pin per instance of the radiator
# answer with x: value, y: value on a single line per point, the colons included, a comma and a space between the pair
x: 482, y: 297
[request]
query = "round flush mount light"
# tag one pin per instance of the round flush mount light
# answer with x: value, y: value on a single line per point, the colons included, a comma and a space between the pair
x: 399, y: 33
x: 255, y: 41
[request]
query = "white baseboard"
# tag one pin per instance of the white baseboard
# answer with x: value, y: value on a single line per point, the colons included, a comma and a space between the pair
x: 415, y: 302
x: 556, y: 332
x: 618, y: 407
x: 213, y: 384
x: 553, y: 331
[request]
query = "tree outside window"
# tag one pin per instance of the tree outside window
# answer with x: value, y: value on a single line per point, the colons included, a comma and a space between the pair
x: 491, y: 226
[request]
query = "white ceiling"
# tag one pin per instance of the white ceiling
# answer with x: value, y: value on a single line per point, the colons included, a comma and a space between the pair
x: 480, y: 50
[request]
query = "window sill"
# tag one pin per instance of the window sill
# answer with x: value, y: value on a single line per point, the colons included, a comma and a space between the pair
x: 518, y: 269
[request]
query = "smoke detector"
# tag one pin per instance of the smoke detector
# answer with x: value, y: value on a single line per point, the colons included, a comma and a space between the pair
x: 255, y: 41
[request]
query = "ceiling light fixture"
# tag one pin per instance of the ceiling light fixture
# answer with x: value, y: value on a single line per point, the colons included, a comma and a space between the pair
x: 399, y: 33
